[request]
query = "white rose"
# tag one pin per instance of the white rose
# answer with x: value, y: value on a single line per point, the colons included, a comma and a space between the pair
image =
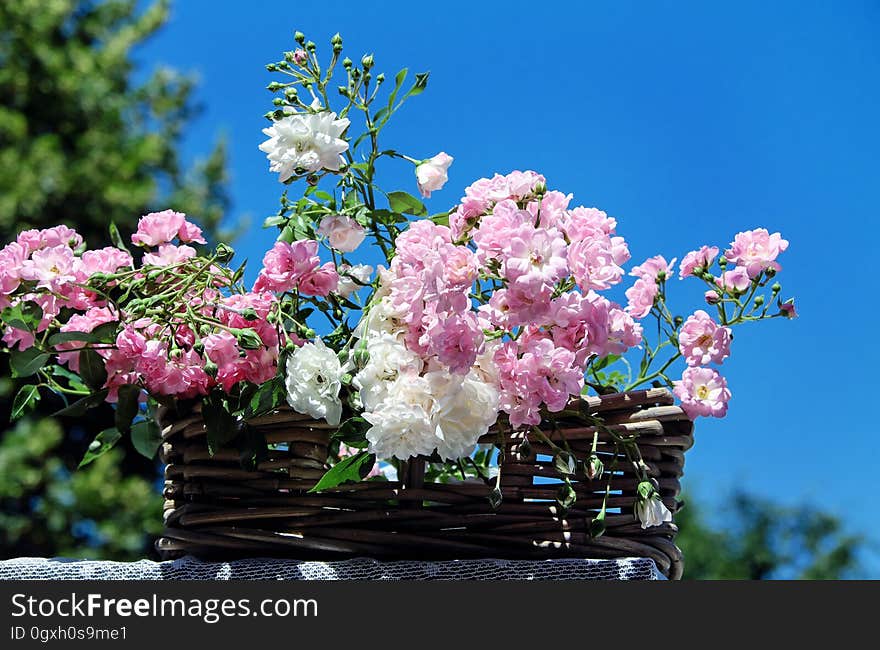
x: 313, y: 382
x: 431, y: 173
x: 389, y: 357
x: 344, y: 233
x: 466, y: 408
x: 652, y: 511
x: 352, y: 278
x: 382, y: 317
x: 402, y: 423
x: 305, y: 142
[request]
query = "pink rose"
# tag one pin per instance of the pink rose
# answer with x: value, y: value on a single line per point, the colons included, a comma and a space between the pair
x: 651, y: 268
x: 284, y: 264
x: 52, y: 268
x: 431, y: 174
x: 344, y: 233
x: 703, y: 341
x: 756, y: 250
x: 703, y: 392
x: 158, y: 228
x: 12, y: 257
x: 735, y: 279
x: 699, y: 259
x: 319, y: 282
x: 641, y: 297
x: 169, y: 254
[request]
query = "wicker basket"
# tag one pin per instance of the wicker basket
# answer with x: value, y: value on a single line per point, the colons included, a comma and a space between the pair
x: 214, y: 508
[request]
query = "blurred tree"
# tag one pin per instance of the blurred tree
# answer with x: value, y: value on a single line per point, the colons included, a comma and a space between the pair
x: 82, y: 144
x: 760, y: 540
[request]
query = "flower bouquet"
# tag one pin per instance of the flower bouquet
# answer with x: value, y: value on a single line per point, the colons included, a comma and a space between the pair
x: 475, y: 394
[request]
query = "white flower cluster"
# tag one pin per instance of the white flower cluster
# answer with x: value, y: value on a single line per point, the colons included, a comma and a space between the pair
x: 305, y: 142
x: 415, y: 408
x: 313, y: 382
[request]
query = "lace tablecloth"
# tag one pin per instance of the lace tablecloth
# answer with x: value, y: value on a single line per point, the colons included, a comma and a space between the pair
x: 189, y: 568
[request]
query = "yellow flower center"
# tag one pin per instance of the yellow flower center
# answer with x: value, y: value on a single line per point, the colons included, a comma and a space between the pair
x: 703, y: 391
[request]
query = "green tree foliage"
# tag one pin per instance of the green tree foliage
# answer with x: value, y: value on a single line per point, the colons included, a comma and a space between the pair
x: 759, y: 540
x: 83, y: 144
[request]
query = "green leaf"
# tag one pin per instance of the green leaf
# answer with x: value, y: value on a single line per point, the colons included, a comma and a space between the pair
x: 24, y: 363
x: 116, y: 237
x: 23, y: 316
x: 91, y: 368
x: 127, y: 407
x: 105, y: 332
x: 399, y: 78
x: 406, y: 204
x: 266, y: 398
x: 146, y: 437
x: 25, y: 399
x: 276, y: 220
x: 81, y: 406
x: 350, y: 468
x: 66, y: 337
x: 352, y: 432
x: 441, y: 218
x: 220, y: 425
x: 102, y: 443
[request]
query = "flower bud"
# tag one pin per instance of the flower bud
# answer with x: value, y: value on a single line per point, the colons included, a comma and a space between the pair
x: 495, y: 498
x: 299, y: 37
x: 380, y: 77
x: 759, y: 300
x: 272, y: 67
x: 678, y: 321
x: 300, y: 57
x: 224, y: 252
x: 645, y: 490
x: 336, y: 40
x: 661, y: 275
x: 346, y: 63
x: 250, y: 314
x: 248, y: 339
x: 712, y: 297
x: 275, y: 86
x: 770, y: 271
x: 343, y: 91
x: 594, y: 467
x: 312, y: 179
x: 211, y: 368
x: 722, y: 261
x: 311, y: 47
x: 278, y: 102
x: 776, y: 288
x: 367, y: 61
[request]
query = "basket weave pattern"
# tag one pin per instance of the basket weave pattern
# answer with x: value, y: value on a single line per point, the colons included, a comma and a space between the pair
x: 214, y: 508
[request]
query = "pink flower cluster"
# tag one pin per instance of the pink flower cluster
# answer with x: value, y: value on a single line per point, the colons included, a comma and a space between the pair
x: 297, y: 267
x: 172, y: 360
x: 52, y: 269
x: 429, y: 282
x: 642, y: 295
x: 537, y: 265
x: 49, y: 268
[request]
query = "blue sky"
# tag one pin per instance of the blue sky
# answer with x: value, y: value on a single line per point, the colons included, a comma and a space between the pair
x: 687, y: 121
